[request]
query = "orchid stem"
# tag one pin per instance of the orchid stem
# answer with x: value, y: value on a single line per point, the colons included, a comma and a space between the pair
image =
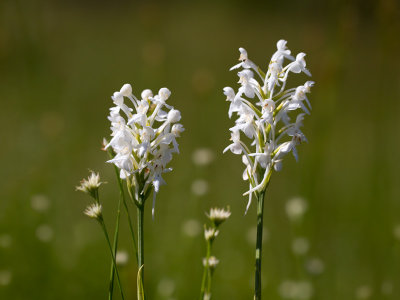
x: 140, y: 222
x: 260, y: 215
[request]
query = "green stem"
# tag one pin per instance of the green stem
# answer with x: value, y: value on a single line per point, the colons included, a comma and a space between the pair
x: 115, y: 246
x: 103, y: 226
x: 140, y: 222
x: 260, y: 214
x: 122, y: 195
x: 206, y: 273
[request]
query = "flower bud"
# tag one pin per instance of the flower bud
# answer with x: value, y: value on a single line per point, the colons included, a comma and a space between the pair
x: 126, y: 90
x: 164, y: 93
x: 174, y: 116
x: 146, y: 94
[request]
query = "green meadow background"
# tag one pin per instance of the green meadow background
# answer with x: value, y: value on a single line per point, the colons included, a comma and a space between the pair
x: 60, y: 61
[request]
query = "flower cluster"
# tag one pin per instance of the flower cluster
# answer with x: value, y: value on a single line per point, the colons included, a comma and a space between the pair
x: 143, y: 138
x: 266, y: 120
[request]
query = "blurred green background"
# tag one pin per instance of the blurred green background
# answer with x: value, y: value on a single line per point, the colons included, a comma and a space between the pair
x: 60, y: 61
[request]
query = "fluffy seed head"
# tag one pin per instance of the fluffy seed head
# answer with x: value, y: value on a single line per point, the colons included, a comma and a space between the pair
x: 94, y: 211
x: 210, y: 234
x: 90, y: 185
x: 218, y: 215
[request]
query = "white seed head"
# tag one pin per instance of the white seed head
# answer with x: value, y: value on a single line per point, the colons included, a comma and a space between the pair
x: 126, y: 90
x: 218, y: 215
x: 94, y: 211
x: 90, y: 185
x: 212, y: 262
x: 210, y: 234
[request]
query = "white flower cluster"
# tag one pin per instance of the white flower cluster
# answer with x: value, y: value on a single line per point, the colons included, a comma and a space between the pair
x: 266, y: 121
x: 143, y: 137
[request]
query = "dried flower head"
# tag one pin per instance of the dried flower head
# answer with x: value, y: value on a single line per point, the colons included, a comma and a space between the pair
x: 94, y: 211
x: 265, y: 110
x: 218, y: 215
x: 90, y: 185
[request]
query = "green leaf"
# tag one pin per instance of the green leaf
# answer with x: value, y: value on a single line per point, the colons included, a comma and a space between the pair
x: 140, y: 289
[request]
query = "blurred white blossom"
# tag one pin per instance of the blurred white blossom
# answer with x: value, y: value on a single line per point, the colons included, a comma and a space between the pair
x: 295, y: 208
x: 363, y: 292
x: 5, y: 240
x: 203, y: 156
x: 300, y: 246
x: 199, y: 187
x: 122, y: 257
x: 301, y: 290
x: 5, y: 277
x: 166, y: 287
x: 191, y: 228
x: 44, y: 233
x: 315, y: 266
x: 396, y: 231
x: 40, y: 203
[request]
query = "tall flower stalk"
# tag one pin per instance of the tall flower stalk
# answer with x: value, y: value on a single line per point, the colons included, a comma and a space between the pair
x: 265, y: 110
x: 95, y: 211
x: 143, y: 141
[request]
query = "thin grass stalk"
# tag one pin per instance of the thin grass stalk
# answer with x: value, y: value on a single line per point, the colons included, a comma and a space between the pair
x: 115, y: 246
x: 260, y: 215
x: 122, y: 195
x: 103, y: 226
x: 140, y: 223
x: 206, y: 273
